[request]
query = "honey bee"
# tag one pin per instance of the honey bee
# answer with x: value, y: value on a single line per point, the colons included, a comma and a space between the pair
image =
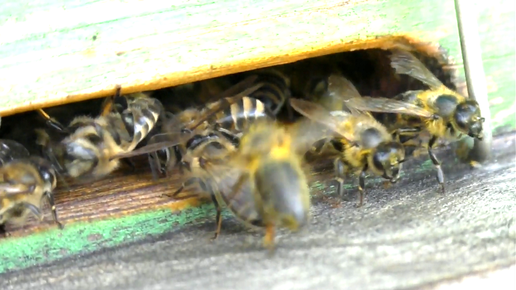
x: 90, y: 146
x: 24, y: 181
x: 441, y: 112
x: 217, y: 126
x: 262, y: 182
x: 364, y: 143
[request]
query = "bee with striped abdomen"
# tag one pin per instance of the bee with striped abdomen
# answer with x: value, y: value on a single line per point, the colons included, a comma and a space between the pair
x: 90, y: 145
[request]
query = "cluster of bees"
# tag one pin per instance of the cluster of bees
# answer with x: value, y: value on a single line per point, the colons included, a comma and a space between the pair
x: 243, y: 143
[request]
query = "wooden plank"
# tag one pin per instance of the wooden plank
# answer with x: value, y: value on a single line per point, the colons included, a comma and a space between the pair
x: 57, y: 52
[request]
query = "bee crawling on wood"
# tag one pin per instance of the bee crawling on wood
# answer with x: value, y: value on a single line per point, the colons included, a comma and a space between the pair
x: 24, y: 182
x: 364, y: 144
x: 262, y: 181
x: 439, y: 111
x: 90, y: 146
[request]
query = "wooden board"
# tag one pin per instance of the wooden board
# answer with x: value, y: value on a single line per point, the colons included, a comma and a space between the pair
x: 64, y: 51
x: 53, y: 53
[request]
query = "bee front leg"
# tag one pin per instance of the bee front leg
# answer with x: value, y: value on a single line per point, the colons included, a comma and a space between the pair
x: 361, y: 186
x: 340, y: 171
x: 437, y: 164
x: 50, y: 198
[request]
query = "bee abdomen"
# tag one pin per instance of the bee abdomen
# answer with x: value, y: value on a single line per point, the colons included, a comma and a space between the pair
x: 239, y: 115
x: 141, y: 116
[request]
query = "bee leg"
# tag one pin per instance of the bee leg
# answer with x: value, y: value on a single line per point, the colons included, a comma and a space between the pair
x: 340, y: 170
x: 50, y: 198
x: 185, y: 184
x: 34, y: 209
x: 218, y: 217
x: 129, y: 163
x: 437, y: 164
x: 107, y: 107
x: 361, y: 186
x: 268, y: 239
x: 3, y: 231
x: 154, y: 164
x: 51, y: 122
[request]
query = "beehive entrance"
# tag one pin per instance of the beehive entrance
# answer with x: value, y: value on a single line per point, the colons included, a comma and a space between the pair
x: 128, y: 191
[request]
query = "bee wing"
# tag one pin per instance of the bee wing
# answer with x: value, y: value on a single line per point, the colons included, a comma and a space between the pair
x: 224, y: 103
x: 233, y: 90
x: 342, y: 88
x: 403, y: 62
x: 385, y: 105
x: 319, y: 114
x: 157, y: 142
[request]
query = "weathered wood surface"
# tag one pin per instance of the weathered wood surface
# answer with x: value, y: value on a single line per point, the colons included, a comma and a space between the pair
x: 54, y: 52
x: 407, y: 237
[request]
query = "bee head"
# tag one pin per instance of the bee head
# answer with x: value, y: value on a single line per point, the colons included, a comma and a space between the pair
x: 467, y: 119
x: 386, y: 160
x: 81, y: 151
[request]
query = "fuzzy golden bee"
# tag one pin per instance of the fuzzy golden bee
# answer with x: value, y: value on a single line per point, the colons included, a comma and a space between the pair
x: 364, y: 144
x: 440, y: 111
x: 262, y: 182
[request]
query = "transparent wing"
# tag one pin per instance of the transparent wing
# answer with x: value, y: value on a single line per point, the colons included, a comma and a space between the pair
x: 405, y: 63
x: 233, y: 90
x: 385, y: 105
x: 319, y: 114
x: 342, y: 88
x: 155, y: 143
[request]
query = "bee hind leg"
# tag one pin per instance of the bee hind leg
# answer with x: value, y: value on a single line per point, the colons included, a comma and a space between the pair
x: 437, y: 164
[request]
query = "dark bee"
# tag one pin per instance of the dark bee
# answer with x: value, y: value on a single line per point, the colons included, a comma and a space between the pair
x: 441, y: 112
x: 262, y: 182
x: 89, y: 146
x: 364, y: 143
x: 24, y: 182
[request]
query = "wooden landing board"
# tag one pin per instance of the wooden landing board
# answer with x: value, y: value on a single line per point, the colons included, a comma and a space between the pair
x: 55, y: 52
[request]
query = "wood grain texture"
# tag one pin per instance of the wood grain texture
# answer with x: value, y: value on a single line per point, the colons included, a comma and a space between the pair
x: 55, y: 52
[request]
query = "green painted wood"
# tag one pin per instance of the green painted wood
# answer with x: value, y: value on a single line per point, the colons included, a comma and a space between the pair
x: 81, y: 49
x: 53, y: 52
